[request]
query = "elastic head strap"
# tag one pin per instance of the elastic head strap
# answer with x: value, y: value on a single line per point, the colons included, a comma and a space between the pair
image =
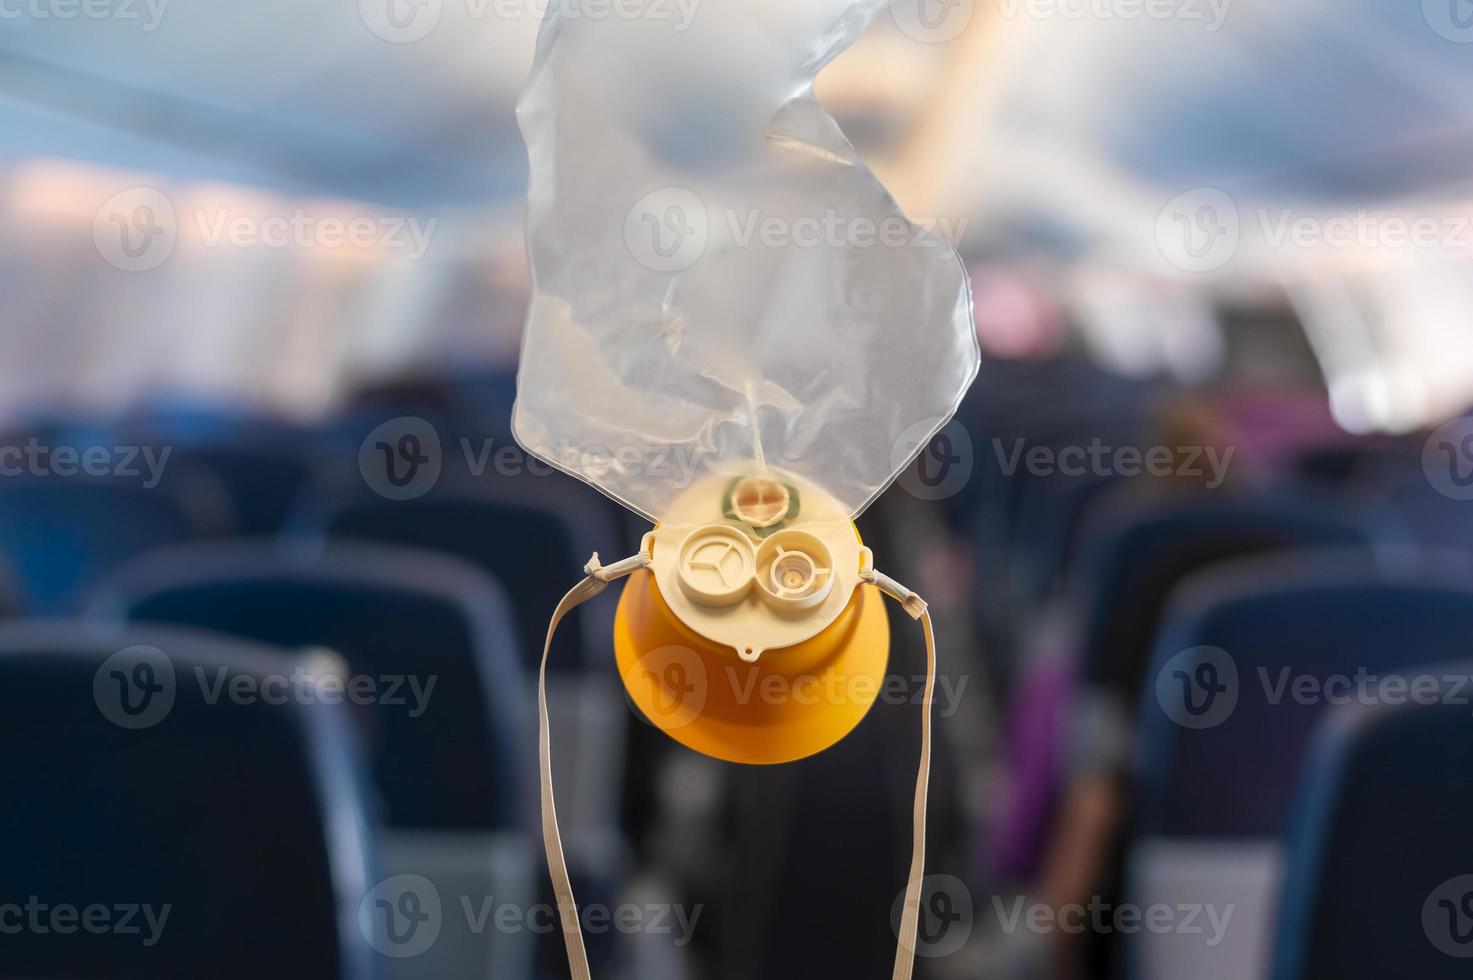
x: 910, y: 914
x: 597, y: 580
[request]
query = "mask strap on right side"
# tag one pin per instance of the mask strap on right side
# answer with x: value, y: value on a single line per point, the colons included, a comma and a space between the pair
x: 910, y: 914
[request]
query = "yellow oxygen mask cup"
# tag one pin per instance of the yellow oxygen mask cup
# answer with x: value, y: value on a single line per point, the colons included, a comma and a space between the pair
x: 751, y: 635
x: 735, y: 333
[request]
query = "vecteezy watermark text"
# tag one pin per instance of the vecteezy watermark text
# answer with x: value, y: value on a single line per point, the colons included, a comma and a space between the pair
x: 138, y: 229
x: 1201, y: 687
x: 405, y: 915
x: 1202, y: 230
x: 403, y: 458
x: 1212, y: 14
x: 301, y: 686
x: 681, y: 686
x: 669, y: 230
x: 39, y: 918
x: 137, y: 687
x: 301, y: 229
x: 37, y: 459
x: 147, y: 13
x: 947, y: 917
x: 1099, y: 915
x: 407, y: 21
x: 1365, y: 687
x: 1100, y: 459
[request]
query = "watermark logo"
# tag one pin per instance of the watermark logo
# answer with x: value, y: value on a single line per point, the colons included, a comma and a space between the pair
x: 401, y: 459
x: 1199, y: 231
x: 1451, y: 19
x: 401, y: 916
x: 1198, y: 688
x: 944, y: 463
x: 1447, y: 459
x: 400, y: 21
x: 932, y: 21
x: 944, y: 920
x: 667, y: 230
x: 1447, y: 917
x: 134, y: 688
x: 135, y: 230
x: 675, y: 680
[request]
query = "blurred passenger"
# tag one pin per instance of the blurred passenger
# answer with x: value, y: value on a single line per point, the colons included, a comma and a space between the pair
x: 1081, y: 859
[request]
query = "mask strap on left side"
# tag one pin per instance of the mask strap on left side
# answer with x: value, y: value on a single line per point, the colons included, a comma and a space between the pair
x: 597, y: 579
x: 910, y: 916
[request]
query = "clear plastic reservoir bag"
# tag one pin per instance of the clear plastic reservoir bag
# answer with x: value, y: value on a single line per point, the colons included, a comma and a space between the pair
x: 721, y: 287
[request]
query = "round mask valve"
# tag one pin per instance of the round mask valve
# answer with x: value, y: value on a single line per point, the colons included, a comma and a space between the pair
x: 716, y: 565
x: 795, y: 570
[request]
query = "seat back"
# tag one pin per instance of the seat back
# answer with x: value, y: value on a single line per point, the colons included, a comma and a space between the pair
x: 428, y: 645
x: 1419, y: 514
x: 1355, y: 465
x: 1246, y: 665
x: 533, y: 535
x: 62, y: 535
x: 819, y: 850
x: 1050, y: 520
x: 1296, y: 634
x: 170, y: 828
x: 429, y: 649
x: 1380, y: 860
x: 1133, y: 571
x: 261, y: 482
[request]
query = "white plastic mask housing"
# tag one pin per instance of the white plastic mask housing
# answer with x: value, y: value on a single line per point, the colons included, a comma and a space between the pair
x: 721, y: 288
x: 739, y: 571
